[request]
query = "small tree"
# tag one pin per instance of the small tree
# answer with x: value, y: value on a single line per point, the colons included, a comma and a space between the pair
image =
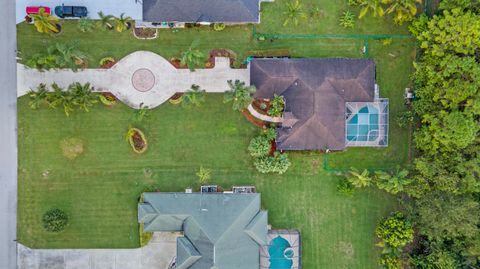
x: 359, y: 179
x: 192, y: 58
x: 239, y: 94
x: 83, y: 95
x: 194, y: 97
x: 393, y: 183
x: 105, y: 21
x: 395, y: 232
x: 67, y: 55
x: 85, y: 24
x: 38, y: 96
x: 259, y: 146
x: 44, y: 22
x: 122, y: 23
x: 55, y: 220
x: 294, y: 13
x: 203, y: 175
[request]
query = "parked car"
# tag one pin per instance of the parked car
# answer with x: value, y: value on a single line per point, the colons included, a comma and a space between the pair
x: 71, y: 11
x: 36, y: 9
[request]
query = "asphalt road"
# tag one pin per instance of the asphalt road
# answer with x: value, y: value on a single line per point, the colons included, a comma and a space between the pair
x: 8, y: 136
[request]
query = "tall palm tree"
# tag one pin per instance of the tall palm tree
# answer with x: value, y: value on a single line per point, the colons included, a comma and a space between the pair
x: 44, y: 22
x: 195, y: 96
x: 68, y: 55
x: 192, y: 58
x: 105, y: 21
x: 375, y: 6
x: 239, y: 94
x: 83, y: 95
x: 85, y: 24
x: 294, y: 13
x: 122, y: 23
x: 360, y: 179
x: 37, y: 96
x: 405, y: 10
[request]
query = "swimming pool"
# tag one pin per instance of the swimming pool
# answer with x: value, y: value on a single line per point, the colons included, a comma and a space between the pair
x: 280, y: 253
x: 363, y: 126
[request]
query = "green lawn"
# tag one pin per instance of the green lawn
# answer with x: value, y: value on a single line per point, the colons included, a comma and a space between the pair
x: 100, y: 189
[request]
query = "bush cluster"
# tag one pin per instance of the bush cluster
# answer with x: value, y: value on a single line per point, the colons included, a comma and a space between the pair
x: 55, y: 220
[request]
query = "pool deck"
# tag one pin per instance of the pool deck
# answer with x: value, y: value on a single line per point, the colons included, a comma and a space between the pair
x: 293, y: 238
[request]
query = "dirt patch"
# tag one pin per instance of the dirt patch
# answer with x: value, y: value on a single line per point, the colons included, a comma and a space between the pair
x: 345, y: 248
x: 145, y: 33
x: 72, y: 148
x: 253, y: 120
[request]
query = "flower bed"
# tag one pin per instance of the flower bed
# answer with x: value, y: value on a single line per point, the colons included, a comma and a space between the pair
x: 220, y: 53
x: 107, y: 98
x: 145, y: 33
x: 137, y: 140
x: 176, y: 98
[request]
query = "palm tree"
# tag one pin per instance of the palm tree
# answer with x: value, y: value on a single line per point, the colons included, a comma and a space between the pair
x: 42, y: 61
x: 105, y: 21
x: 59, y: 97
x: 358, y: 179
x: 203, y: 175
x: 122, y: 23
x: 373, y: 5
x: 405, y: 10
x: 68, y: 55
x: 83, y: 95
x: 294, y: 13
x: 193, y: 97
x: 85, y: 24
x: 38, y: 96
x: 239, y: 94
x: 192, y: 58
x: 393, y: 183
x: 44, y: 22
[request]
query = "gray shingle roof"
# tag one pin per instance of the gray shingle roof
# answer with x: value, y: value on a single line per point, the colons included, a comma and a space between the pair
x: 315, y: 92
x: 222, y: 230
x: 230, y: 11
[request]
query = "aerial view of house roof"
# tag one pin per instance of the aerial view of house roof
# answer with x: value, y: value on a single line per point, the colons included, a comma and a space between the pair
x: 229, y: 11
x: 316, y: 92
x: 222, y: 230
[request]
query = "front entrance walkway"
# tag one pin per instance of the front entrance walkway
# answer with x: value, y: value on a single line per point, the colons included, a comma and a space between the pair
x: 156, y: 255
x: 142, y: 77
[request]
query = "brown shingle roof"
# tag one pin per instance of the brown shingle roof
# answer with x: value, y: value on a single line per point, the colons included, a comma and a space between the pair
x: 315, y: 92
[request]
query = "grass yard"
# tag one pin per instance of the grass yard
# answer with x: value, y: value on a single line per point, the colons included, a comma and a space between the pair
x: 100, y: 188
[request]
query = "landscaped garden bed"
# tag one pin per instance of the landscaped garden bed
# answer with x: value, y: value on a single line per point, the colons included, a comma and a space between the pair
x: 145, y: 33
x: 176, y: 98
x: 137, y: 140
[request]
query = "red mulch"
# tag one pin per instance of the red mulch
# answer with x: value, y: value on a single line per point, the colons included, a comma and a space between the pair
x: 138, y: 142
x: 109, y: 96
x: 273, y: 148
x: 220, y: 53
x: 176, y: 63
x: 176, y: 96
x: 256, y: 106
x: 253, y: 120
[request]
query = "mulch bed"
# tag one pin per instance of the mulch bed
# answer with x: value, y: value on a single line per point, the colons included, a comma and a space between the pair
x: 273, y: 148
x: 253, y: 120
x: 220, y: 53
x: 176, y: 96
x: 138, y: 141
x: 108, y: 65
x: 145, y: 32
x: 176, y: 63
x: 257, y: 103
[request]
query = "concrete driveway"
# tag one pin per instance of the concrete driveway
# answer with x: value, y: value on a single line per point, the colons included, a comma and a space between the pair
x: 156, y: 255
x: 131, y: 8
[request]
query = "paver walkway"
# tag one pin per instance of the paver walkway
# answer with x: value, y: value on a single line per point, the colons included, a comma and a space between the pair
x: 263, y: 117
x: 118, y: 79
x: 156, y: 255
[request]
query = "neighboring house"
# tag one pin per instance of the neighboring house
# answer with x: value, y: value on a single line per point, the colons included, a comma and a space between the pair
x: 221, y: 230
x: 201, y: 11
x: 330, y: 104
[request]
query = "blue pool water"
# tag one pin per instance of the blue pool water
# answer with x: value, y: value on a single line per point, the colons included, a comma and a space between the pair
x: 280, y: 253
x: 363, y: 126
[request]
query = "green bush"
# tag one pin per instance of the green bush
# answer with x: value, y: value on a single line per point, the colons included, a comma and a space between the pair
x: 54, y: 220
x: 259, y: 146
x: 345, y: 187
x: 347, y: 20
x: 276, y: 106
x: 391, y: 261
x: 270, y: 133
x: 218, y: 26
x: 395, y: 232
x: 279, y: 163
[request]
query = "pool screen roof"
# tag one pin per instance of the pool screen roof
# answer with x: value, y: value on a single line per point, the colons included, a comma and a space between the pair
x: 220, y: 230
x: 315, y: 92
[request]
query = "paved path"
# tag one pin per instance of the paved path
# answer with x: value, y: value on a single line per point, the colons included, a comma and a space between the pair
x: 156, y: 255
x: 8, y: 136
x: 263, y: 117
x: 118, y: 79
x: 131, y: 8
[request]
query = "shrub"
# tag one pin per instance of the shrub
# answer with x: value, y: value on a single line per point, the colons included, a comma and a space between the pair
x: 387, y: 42
x: 345, y: 187
x: 391, y: 261
x: 276, y: 106
x: 353, y: 2
x: 279, y: 163
x: 71, y: 148
x: 86, y: 24
x: 405, y: 118
x: 395, y: 232
x: 55, y: 220
x: 259, y: 146
x: 203, y: 175
x: 218, y: 26
x: 347, y: 20
x: 270, y: 133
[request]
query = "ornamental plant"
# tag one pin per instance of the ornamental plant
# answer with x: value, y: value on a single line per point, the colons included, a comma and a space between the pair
x: 55, y: 220
x: 347, y: 20
x: 259, y: 146
x: 276, y: 106
x: 395, y: 232
x: 239, y: 94
x: 278, y: 163
x: 218, y: 26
